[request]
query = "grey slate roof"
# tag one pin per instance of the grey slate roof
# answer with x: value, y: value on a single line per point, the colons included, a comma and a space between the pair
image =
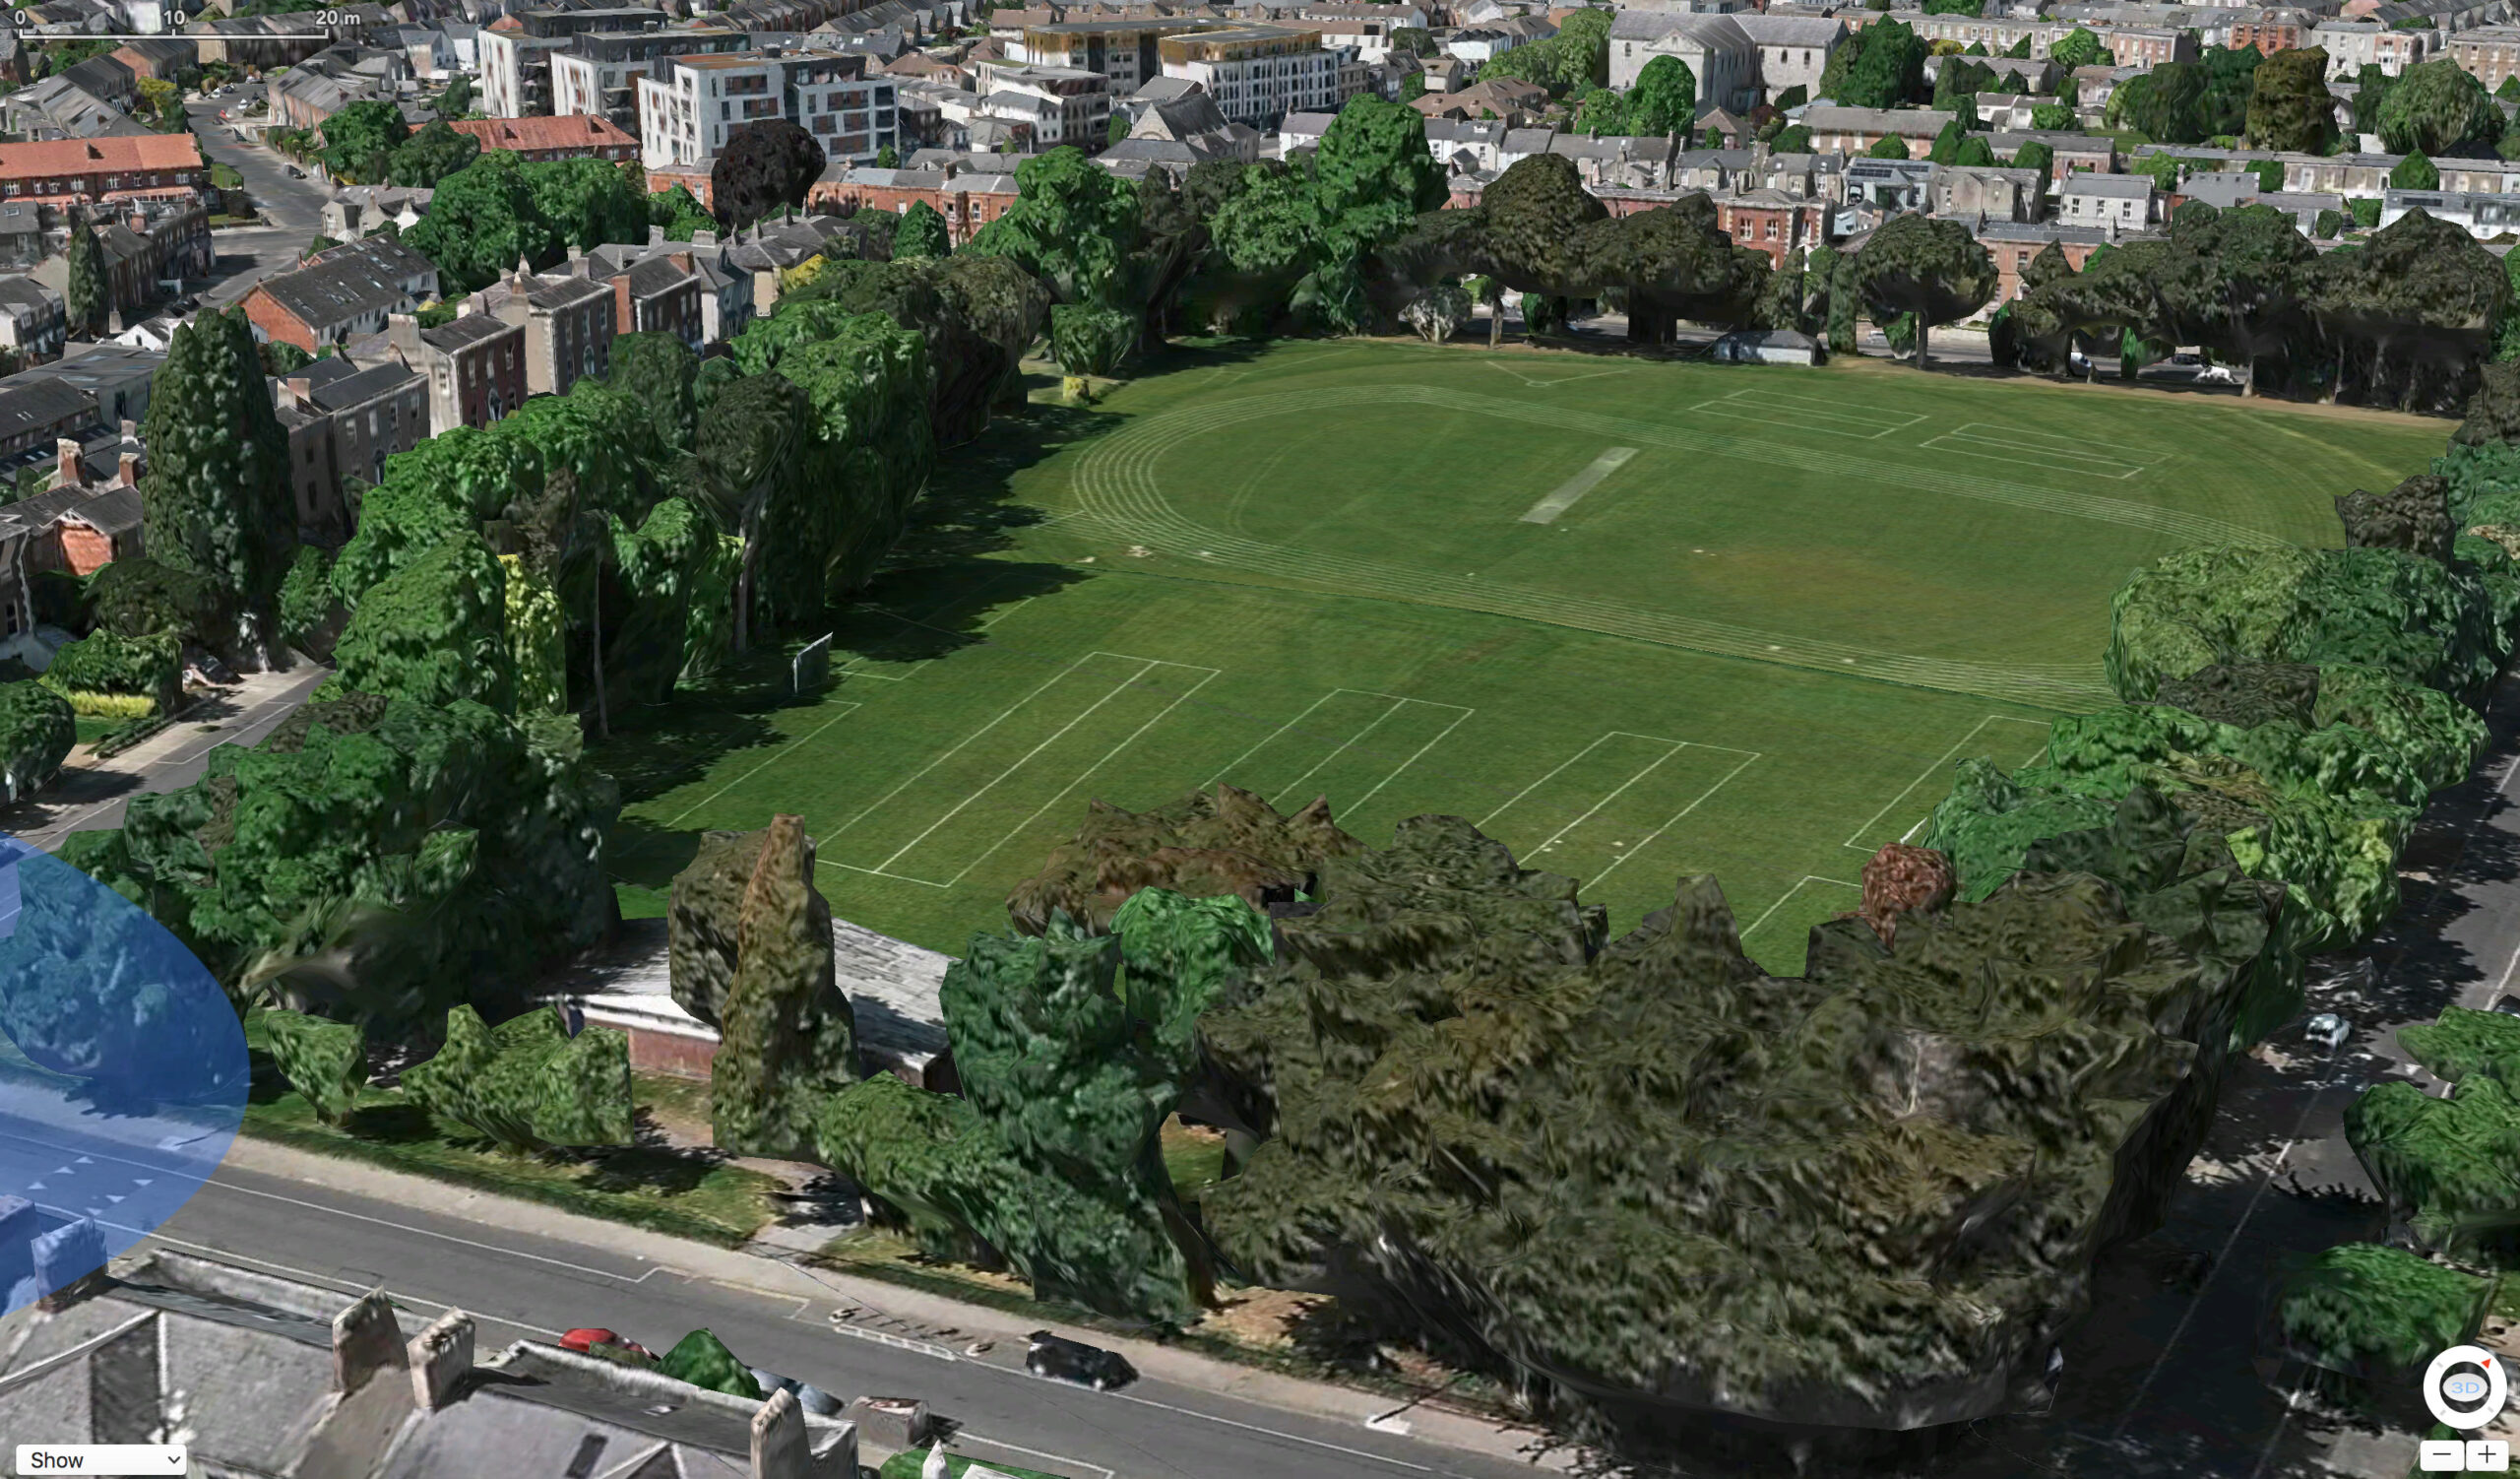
x: 465, y: 331
x: 32, y: 401
x: 358, y: 278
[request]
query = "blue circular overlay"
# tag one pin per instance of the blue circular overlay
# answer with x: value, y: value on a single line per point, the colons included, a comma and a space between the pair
x: 123, y: 1074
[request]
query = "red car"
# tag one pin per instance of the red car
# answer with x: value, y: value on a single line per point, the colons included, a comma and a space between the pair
x: 585, y: 1343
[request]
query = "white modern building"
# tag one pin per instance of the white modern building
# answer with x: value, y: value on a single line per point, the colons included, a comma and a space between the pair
x: 1061, y: 105
x: 687, y: 108
x: 1258, y: 73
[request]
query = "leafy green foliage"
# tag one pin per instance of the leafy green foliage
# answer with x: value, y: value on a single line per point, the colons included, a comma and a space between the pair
x: 86, y: 293
x: 307, y: 605
x: 1477, y: 1106
x: 37, y: 731
x: 2433, y: 108
x: 2414, y: 172
x: 1930, y: 268
x: 107, y: 662
x: 360, y: 140
x: 497, y: 211
x: 1073, y: 226
x: 2380, y: 1313
x: 788, y: 1038
x: 2289, y: 107
x: 1663, y: 100
x: 325, y: 1061
x: 136, y: 596
x: 381, y: 856
x: 656, y: 372
x: 536, y: 642
x: 921, y: 232
x: 525, y: 1084
x: 763, y: 167
x: 704, y: 1360
x: 434, y: 631
x: 2079, y: 48
x: 430, y: 155
x: 1088, y: 341
x: 1881, y: 66
x: 2465, y: 1043
x: 1223, y: 840
x: 2443, y: 1164
x: 680, y: 213
x: 1577, y: 58
x: 217, y: 501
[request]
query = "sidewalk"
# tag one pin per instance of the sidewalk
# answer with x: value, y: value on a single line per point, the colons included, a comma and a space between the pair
x: 878, y: 1310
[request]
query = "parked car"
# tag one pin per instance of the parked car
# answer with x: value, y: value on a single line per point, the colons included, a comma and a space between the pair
x: 1063, y: 1360
x: 2216, y: 374
x: 585, y: 1340
x: 296, y: 173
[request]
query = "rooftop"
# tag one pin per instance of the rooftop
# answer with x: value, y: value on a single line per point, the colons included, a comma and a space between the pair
x: 568, y: 131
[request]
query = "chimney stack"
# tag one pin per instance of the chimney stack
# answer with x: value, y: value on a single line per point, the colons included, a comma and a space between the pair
x: 656, y: 236
x: 440, y: 1358
x: 128, y: 470
x: 366, y: 1340
x: 65, y: 459
x: 779, y: 1450
x: 402, y: 331
x: 130, y: 429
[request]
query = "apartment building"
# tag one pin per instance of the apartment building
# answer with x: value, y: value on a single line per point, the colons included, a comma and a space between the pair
x: 2352, y: 45
x: 2491, y: 53
x: 1059, y: 105
x: 1127, y: 52
x: 597, y: 73
x: 686, y: 110
x: 517, y: 51
x: 2148, y: 46
x: 1257, y: 74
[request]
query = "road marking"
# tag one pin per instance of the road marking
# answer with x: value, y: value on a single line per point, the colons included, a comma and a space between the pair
x: 1547, y: 510
x: 1400, y: 1463
x: 490, y: 1248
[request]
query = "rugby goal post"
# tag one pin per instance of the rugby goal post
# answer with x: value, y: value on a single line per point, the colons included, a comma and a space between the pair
x: 811, y: 668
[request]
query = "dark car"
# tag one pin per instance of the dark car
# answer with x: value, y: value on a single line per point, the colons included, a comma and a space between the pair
x: 1063, y: 1360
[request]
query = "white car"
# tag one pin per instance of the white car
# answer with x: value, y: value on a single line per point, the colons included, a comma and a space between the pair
x: 2216, y: 374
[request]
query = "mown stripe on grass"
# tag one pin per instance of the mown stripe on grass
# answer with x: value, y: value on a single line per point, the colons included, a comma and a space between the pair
x: 1117, y: 492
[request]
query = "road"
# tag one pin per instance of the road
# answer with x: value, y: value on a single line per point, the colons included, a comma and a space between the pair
x: 521, y: 1285
x: 292, y: 208
x: 90, y: 796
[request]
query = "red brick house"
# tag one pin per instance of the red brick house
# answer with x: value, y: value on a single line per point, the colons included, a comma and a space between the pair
x: 62, y: 171
x: 968, y: 201
x: 2013, y: 244
x: 346, y: 292
x: 1772, y: 222
x: 581, y: 136
x: 661, y: 295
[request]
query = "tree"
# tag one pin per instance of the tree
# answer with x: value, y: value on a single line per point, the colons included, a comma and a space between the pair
x: 747, y: 446
x: 789, y: 1038
x: 2050, y: 117
x: 658, y: 370
x: 1930, y: 268
x: 481, y: 221
x: 2435, y: 108
x: 680, y: 213
x: 37, y: 731
x: 1946, y: 144
x: 2370, y: 89
x: 764, y: 167
x: 2289, y: 107
x: 1575, y: 58
x: 435, y: 631
x: 87, y: 295
x: 1664, y: 100
x: 1845, y: 297
x: 1973, y: 152
x: 1090, y: 341
x: 1890, y: 70
x: 2079, y: 48
x: 1889, y: 146
x: 217, y: 501
x: 2036, y: 156
x: 888, y: 157
x: 163, y: 101
x: 1793, y: 138
x: 585, y: 203
x: 1074, y: 225
x: 921, y: 234
x: 430, y: 155
x: 526, y: 1085
x: 1955, y: 7
x: 325, y: 1061
x: 456, y: 99
x: 2168, y: 103
x: 703, y: 1360
x: 2414, y: 172
x: 360, y: 140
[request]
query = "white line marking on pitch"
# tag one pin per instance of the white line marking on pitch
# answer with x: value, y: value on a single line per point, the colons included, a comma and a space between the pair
x: 1553, y: 379
x: 1547, y: 510
x: 1378, y: 719
x: 1677, y: 745
x: 1274, y: 734
x: 1552, y: 775
x: 1677, y: 817
x: 965, y: 742
x: 853, y: 669
x: 1857, y: 840
x: 1422, y: 749
x: 846, y: 708
x: 1803, y: 414
x: 1084, y: 775
x: 1790, y: 893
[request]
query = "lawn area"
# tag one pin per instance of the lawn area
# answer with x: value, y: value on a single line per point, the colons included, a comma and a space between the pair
x: 684, y: 1193
x: 92, y: 728
x: 1638, y: 621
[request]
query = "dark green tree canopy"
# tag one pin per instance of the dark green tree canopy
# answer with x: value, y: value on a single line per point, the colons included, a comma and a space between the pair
x: 430, y: 155
x: 765, y: 168
x: 1932, y: 268
x: 217, y: 500
x: 2436, y: 107
x: 2289, y: 107
x: 359, y: 141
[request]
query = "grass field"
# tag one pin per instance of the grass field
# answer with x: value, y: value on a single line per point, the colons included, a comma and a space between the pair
x: 1635, y: 619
